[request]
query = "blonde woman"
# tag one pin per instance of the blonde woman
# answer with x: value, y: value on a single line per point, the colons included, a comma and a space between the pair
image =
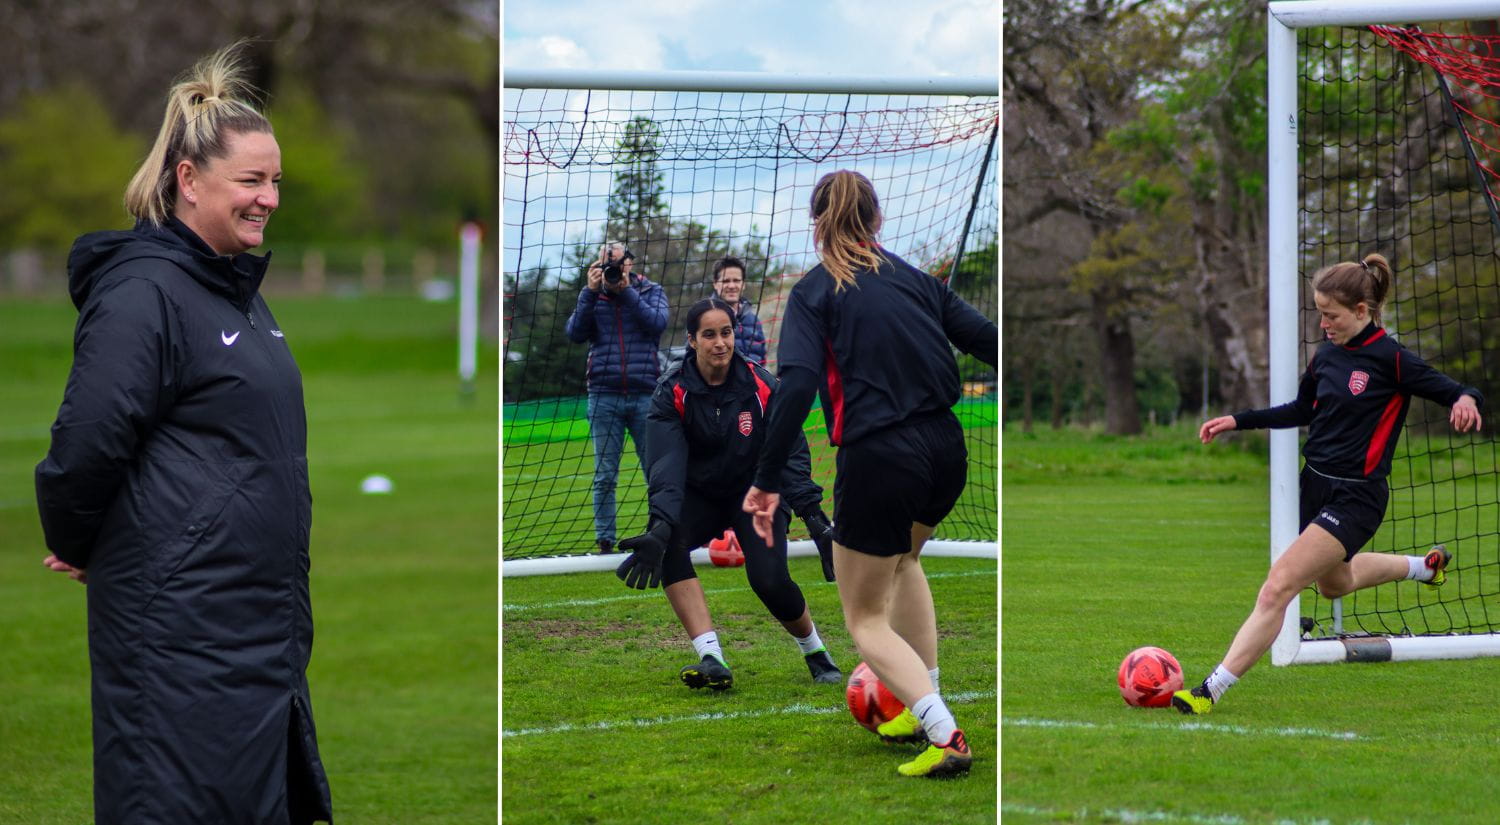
x: 176, y: 484
x: 872, y: 333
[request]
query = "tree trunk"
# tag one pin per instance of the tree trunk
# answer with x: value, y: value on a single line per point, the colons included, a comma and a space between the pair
x: 1117, y: 365
x: 1057, y: 397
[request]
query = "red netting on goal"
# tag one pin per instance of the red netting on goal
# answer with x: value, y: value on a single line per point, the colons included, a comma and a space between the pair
x: 685, y: 178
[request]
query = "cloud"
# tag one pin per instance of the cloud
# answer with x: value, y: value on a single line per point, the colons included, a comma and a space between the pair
x: 858, y: 37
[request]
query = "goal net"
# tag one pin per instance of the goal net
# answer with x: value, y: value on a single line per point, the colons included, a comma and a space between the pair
x: 1396, y: 139
x: 684, y: 178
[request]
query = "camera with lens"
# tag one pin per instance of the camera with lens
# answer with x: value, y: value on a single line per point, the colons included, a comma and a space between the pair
x: 614, y: 268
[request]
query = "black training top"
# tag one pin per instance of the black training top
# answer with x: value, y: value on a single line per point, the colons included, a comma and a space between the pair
x: 706, y: 438
x: 1355, y: 397
x: 879, y: 349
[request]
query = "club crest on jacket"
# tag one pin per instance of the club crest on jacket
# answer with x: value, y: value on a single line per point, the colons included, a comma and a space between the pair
x: 1358, y: 380
x: 745, y: 423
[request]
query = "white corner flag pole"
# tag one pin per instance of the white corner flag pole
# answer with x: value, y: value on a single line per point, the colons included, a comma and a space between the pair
x: 468, y: 303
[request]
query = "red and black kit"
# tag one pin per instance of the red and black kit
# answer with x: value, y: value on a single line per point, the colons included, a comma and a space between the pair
x: 702, y: 442
x: 1353, y: 399
x: 879, y: 352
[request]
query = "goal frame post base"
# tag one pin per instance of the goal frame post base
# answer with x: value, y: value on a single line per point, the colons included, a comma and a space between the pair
x: 1389, y: 649
x: 794, y: 549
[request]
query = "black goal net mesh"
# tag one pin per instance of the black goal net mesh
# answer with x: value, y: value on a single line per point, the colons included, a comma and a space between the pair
x: 684, y: 179
x: 1398, y: 138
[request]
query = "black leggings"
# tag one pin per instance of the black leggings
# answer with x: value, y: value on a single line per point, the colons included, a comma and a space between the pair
x: 703, y: 519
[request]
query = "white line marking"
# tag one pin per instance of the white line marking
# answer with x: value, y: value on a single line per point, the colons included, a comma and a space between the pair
x: 1211, y: 727
x: 1130, y: 816
x: 788, y: 710
x: 638, y: 596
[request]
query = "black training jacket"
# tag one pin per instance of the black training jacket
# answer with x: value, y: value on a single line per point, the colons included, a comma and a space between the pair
x: 708, y: 439
x: 177, y: 475
x: 1353, y: 399
x: 881, y: 345
x: 880, y: 349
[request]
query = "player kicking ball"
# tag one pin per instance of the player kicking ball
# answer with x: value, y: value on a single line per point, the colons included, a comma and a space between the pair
x: 1353, y: 399
x: 873, y: 334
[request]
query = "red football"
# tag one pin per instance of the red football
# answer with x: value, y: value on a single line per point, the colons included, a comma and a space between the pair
x: 870, y: 702
x: 725, y: 551
x: 1148, y: 677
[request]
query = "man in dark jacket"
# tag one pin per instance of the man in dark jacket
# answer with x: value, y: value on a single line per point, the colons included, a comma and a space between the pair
x: 621, y: 314
x: 729, y: 284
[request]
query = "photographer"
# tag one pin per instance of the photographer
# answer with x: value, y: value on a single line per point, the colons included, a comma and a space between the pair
x: 621, y: 315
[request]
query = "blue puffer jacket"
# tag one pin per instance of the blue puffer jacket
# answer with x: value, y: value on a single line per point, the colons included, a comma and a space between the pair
x: 749, y: 338
x: 622, y: 331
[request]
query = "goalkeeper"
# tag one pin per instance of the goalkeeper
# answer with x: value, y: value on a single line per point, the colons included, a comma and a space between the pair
x: 875, y: 332
x: 704, y: 430
x: 1353, y: 397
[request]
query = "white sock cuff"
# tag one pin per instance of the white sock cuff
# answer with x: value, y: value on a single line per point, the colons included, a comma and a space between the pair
x: 935, y: 717
x: 1416, y: 568
x: 933, y: 675
x: 810, y: 643
x: 708, y: 645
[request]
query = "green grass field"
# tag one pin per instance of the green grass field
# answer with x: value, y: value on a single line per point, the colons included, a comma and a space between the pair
x: 1109, y: 544
x: 403, y: 672
x: 597, y: 728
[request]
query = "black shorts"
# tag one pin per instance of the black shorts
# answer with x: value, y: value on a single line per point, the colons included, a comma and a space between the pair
x: 893, y: 478
x: 1349, y: 509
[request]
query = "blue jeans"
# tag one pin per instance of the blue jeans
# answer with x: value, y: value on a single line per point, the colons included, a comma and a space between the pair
x: 610, y: 415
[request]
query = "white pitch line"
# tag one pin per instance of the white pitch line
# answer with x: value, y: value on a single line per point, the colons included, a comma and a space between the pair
x: 640, y: 596
x: 1211, y: 727
x: 1132, y: 816
x: 788, y: 710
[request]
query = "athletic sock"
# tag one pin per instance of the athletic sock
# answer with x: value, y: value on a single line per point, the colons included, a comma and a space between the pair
x: 935, y: 718
x: 708, y: 645
x: 1416, y: 568
x: 1219, y: 681
x: 810, y: 643
x: 933, y: 675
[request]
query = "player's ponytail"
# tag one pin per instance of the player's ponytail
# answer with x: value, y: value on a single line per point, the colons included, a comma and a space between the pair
x: 1367, y: 280
x: 207, y: 105
x: 846, y: 219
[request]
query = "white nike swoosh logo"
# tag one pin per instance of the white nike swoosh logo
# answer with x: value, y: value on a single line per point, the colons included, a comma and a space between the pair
x: 228, y: 339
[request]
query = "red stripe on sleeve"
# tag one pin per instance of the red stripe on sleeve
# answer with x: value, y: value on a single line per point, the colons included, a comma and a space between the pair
x: 678, y: 394
x: 835, y: 396
x: 1389, y: 418
x: 762, y: 389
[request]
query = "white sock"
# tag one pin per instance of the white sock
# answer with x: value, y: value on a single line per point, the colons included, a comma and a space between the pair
x: 933, y: 675
x: 810, y: 643
x: 935, y: 718
x: 1416, y: 568
x: 708, y: 645
x: 1220, y: 681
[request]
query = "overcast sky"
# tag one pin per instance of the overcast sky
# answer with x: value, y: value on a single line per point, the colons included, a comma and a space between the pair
x: 868, y: 37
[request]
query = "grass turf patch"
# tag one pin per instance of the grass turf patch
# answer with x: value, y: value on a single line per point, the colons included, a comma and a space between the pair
x: 598, y: 728
x: 1159, y: 544
x: 403, y: 671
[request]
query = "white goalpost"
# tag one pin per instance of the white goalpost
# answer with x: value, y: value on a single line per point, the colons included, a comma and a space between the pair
x: 1286, y: 215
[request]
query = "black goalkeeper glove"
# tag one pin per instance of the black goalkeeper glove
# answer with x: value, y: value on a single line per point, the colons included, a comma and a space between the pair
x: 642, y: 568
x: 822, y: 535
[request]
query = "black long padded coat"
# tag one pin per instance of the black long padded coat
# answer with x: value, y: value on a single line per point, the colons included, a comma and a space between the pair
x: 177, y: 476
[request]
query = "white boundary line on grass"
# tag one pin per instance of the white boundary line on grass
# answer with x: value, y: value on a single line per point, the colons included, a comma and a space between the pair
x: 1211, y: 727
x: 1131, y: 816
x: 650, y: 595
x: 788, y: 710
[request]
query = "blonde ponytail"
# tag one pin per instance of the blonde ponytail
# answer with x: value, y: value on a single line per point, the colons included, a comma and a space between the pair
x: 207, y: 105
x: 846, y: 219
x: 1367, y: 280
